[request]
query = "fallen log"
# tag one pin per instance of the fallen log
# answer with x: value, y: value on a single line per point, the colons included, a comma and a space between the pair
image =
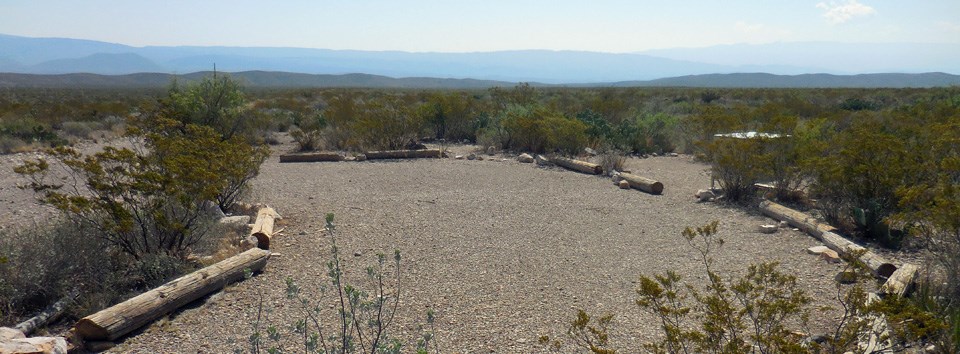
x: 48, y: 314
x: 577, y: 165
x: 795, y: 218
x: 311, y: 157
x: 825, y: 233
x: 125, y: 317
x: 403, y: 154
x: 901, y: 281
x: 263, y: 228
x: 642, y: 183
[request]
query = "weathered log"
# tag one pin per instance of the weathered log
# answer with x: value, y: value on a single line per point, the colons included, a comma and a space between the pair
x: 901, y: 281
x: 125, y: 317
x: 48, y: 314
x: 311, y: 157
x: 795, y: 218
x: 403, y: 154
x: 825, y: 233
x: 577, y: 165
x: 643, y: 183
x: 263, y: 227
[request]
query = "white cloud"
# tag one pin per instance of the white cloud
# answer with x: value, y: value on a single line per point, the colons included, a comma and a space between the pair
x: 749, y: 27
x: 842, y: 12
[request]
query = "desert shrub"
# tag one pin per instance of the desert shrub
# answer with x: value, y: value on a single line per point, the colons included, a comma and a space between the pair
x: 451, y: 116
x: 9, y: 144
x: 215, y: 101
x: 371, y: 123
x: 45, y: 263
x: 612, y: 161
x: 80, y: 129
x: 151, y: 199
x: 737, y: 164
x: 308, y: 133
x: 30, y: 130
x: 538, y: 129
x: 363, y: 320
x: 858, y: 178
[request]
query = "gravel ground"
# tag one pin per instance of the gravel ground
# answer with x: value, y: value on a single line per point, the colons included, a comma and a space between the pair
x: 503, y: 252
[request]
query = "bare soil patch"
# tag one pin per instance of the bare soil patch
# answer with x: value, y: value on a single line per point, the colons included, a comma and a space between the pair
x: 503, y: 252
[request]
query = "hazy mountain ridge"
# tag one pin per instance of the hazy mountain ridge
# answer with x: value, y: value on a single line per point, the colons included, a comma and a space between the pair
x: 268, y: 79
x: 59, y: 55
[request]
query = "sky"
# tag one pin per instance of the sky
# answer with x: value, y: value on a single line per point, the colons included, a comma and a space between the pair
x: 617, y: 26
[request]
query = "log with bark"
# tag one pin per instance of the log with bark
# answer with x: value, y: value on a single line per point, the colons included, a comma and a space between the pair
x: 901, y: 281
x: 263, y: 228
x: 577, y: 165
x: 311, y: 157
x: 825, y: 233
x: 642, y: 183
x: 403, y: 154
x: 125, y: 317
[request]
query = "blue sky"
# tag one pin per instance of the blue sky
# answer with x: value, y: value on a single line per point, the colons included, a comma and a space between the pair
x: 483, y: 25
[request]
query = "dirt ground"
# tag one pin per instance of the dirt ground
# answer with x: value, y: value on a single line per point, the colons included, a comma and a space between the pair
x: 502, y: 252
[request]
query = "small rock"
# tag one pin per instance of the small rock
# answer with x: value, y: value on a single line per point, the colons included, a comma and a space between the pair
x: 458, y: 157
x: 302, y: 233
x: 846, y: 277
x: 45, y: 345
x: 357, y: 254
x: 816, y: 250
x: 654, y: 154
x: 361, y: 157
x: 472, y: 157
x: 525, y: 158
x: 7, y: 333
x: 705, y: 195
x: 768, y: 229
x: 590, y: 151
x: 238, y: 222
x: 479, y: 158
x: 465, y: 141
x: 784, y: 224
x: 673, y: 154
x: 543, y: 161
x: 624, y: 184
x: 491, y: 151
x: 830, y: 256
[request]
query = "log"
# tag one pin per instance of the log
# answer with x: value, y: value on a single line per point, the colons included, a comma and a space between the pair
x: 643, y: 183
x: 311, y: 157
x: 48, y: 314
x: 825, y: 233
x: 263, y: 227
x: 125, y: 317
x: 403, y: 154
x: 901, y: 281
x: 577, y: 165
x: 795, y: 218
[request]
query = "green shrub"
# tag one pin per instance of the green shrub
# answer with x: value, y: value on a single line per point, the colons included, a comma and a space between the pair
x: 152, y: 199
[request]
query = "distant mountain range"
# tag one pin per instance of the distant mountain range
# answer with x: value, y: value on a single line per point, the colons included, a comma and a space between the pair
x: 266, y: 79
x: 27, y: 55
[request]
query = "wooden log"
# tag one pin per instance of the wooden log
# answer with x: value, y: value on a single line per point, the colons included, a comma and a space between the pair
x: 311, y: 157
x: 263, y: 227
x: 577, y: 165
x: 48, y: 314
x: 125, y: 317
x: 403, y: 154
x: 643, y: 183
x: 795, y: 218
x: 825, y: 233
x: 901, y: 281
